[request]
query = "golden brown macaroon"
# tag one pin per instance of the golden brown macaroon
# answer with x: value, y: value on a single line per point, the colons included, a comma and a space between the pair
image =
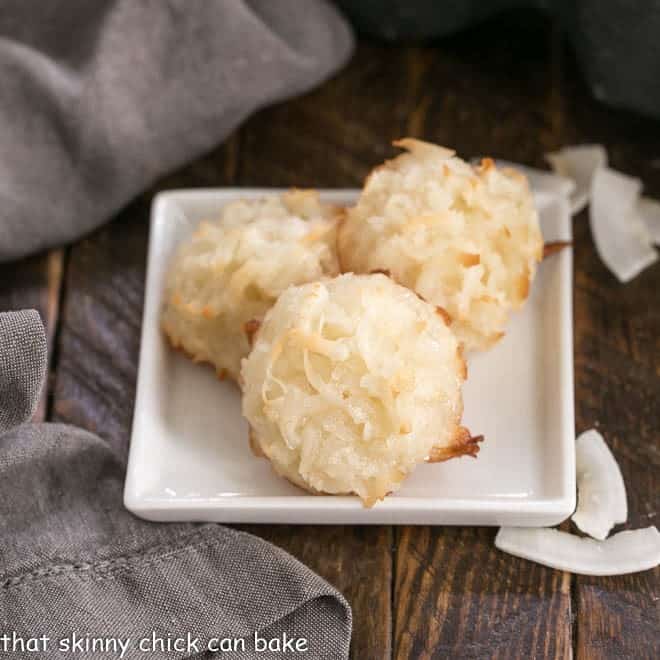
x: 464, y: 238
x: 233, y: 269
x: 351, y: 383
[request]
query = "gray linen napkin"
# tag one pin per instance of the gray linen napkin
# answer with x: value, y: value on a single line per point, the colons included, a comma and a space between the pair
x: 73, y: 561
x: 22, y: 367
x: 97, y: 99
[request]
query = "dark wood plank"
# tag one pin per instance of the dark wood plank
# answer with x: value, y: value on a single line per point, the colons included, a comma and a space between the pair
x: 335, y: 135
x: 457, y: 596
x: 35, y: 283
x: 489, y: 91
x: 617, y: 384
x: 100, y: 328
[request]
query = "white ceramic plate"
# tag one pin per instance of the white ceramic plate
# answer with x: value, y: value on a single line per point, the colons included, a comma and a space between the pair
x: 189, y: 456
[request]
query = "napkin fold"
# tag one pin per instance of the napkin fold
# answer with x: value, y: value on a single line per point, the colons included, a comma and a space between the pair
x: 98, y: 99
x: 74, y: 562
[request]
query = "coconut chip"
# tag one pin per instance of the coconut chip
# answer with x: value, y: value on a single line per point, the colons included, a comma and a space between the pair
x: 619, y: 232
x: 649, y: 211
x: 601, y: 492
x: 625, y: 552
x: 578, y: 164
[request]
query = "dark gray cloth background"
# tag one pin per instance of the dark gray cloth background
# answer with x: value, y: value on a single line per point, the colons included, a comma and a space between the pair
x: 72, y: 560
x: 616, y: 41
x: 98, y: 98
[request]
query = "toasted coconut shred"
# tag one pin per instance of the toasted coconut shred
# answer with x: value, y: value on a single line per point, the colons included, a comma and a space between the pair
x: 351, y: 383
x: 464, y: 238
x: 554, y: 247
x: 625, y: 552
x: 601, y: 492
x: 230, y: 272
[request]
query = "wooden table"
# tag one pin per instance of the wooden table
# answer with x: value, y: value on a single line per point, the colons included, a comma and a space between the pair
x: 508, y: 89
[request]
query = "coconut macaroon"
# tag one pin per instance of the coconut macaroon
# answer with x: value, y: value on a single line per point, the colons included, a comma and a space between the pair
x: 233, y: 269
x: 464, y: 238
x: 351, y: 382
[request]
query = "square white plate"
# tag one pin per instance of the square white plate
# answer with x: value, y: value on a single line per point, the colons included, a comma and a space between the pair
x: 189, y: 456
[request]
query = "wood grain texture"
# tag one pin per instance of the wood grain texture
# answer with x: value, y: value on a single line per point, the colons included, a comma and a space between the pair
x: 100, y: 328
x: 457, y: 596
x: 335, y: 135
x: 617, y: 384
x: 35, y: 283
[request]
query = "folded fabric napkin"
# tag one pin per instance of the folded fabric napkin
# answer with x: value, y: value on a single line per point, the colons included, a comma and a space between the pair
x: 98, y: 99
x: 73, y: 562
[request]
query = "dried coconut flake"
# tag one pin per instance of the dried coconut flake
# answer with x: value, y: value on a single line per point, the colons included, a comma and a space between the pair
x: 625, y: 552
x: 601, y: 491
x: 579, y: 164
x: 619, y: 232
